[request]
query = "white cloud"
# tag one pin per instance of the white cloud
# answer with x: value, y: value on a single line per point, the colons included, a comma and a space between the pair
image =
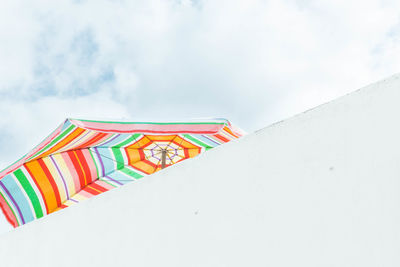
x: 252, y: 61
x: 126, y: 81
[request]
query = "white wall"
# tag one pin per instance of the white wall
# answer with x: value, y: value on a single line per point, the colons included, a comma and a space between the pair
x: 4, y: 224
x: 320, y: 189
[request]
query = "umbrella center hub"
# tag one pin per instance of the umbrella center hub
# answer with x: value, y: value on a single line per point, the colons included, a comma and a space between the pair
x: 163, y: 157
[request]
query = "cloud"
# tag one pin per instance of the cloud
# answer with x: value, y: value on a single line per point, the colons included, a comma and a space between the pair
x: 253, y: 61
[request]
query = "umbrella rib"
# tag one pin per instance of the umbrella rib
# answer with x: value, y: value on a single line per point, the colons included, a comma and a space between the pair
x: 173, y: 140
x: 146, y: 158
x: 124, y: 165
x: 155, y: 168
x: 136, y: 139
x: 152, y: 141
x: 169, y: 157
x: 170, y: 144
x: 144, y: 136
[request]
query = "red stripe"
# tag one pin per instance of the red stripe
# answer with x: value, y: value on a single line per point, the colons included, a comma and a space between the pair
x: 85, y: 166
x: 51, y: 180
x: 150, y: 131
x: 8, y: 213
x: 141, y: 153
x: 37, y: 185
x: 91, y: 191
x: 149, y: 163
x: 94, y: 139
x: 186, y: 151
x: 98, y: 187
x: 180, y: 160
x: 77, y: 168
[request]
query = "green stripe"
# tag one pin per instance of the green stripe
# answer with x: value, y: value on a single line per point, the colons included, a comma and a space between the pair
x: 68, y: 130
x: 107, y: 182
x: 191, y: 138
x: 157, y: 123
x: 118, y: 157
x: 8, y: 204
x: 30, y: 192
x: 129, y: 140
x: 117, y: 152
x: 131, y: 173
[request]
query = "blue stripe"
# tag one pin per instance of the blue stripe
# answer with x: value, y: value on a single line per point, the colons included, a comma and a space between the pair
x: 121, y: 177
x: 205, y: 140
x: 66, y: 125
x: 16, y: 192
x: 105, y: 156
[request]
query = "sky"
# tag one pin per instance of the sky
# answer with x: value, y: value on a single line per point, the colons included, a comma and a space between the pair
x: 253, y: 62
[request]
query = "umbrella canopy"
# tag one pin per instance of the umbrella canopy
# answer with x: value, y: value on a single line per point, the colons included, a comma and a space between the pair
x: 84, y: 158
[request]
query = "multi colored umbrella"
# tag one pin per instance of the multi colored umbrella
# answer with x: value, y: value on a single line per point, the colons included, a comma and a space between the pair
x: 83, y: 158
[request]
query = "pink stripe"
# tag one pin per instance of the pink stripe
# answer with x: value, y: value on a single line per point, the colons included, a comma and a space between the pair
x: 72, y: 171
x: 105, y: 185
x: 150, y: 128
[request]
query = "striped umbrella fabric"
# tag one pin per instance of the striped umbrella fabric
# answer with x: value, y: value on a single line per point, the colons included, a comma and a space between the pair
x: 84, y: 158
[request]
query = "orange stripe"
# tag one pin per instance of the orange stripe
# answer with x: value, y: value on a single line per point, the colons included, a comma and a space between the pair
x: 51, y: 180
x: 221, y: 138
x: 64, y: 142
x: 43, y: 184
x: 230, y: 132
x: 144, y: 166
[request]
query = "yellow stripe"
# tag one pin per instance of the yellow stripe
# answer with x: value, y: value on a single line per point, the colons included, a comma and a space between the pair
x: 80, y: 142
x: 95, y: 189
x: 57, y: 178
x: 69, y: 180
x: 79, y: 197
